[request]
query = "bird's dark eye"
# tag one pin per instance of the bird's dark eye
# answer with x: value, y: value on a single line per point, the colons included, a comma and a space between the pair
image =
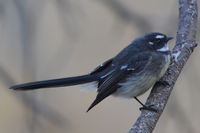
x: 158, y: 40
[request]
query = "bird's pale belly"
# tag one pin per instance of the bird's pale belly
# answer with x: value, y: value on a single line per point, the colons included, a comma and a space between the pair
x: 138, y: 84
x: 135, y: 86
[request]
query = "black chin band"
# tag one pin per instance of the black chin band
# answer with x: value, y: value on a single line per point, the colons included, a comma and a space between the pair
x: 165, y: 52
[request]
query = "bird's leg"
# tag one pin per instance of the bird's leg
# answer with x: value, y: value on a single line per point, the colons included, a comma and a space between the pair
x: 144, y: 107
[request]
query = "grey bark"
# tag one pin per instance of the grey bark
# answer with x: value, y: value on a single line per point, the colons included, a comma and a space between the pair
x: 185, y: 43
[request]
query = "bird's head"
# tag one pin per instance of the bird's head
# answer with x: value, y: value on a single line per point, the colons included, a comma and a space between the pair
x: 157, y: 41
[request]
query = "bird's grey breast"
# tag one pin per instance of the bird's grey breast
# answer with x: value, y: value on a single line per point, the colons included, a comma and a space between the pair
x: 138, y: 83
x: 165, y: 65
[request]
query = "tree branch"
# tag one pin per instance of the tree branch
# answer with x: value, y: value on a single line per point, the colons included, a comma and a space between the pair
x: 185, y: 43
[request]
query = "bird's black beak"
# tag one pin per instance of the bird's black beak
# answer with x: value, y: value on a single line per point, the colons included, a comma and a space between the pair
x: 169, y: 38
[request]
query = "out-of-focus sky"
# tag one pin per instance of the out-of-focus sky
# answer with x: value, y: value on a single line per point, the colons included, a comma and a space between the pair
x: 45, y: 39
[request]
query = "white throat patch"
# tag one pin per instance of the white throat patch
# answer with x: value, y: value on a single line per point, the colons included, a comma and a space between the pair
x: 164, y: 49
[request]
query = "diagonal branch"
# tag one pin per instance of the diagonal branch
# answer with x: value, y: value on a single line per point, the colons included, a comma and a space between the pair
x: 185, y: 43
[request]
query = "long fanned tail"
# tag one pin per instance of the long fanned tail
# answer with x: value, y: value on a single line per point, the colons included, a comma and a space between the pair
x: 56, y: 82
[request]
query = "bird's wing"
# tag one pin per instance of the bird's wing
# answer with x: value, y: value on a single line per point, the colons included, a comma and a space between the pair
x: 102, y: 67
x: 110, y: 84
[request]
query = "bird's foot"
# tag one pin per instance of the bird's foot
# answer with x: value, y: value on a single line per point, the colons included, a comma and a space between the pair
x: 165, y: 83
x: 150, y: 108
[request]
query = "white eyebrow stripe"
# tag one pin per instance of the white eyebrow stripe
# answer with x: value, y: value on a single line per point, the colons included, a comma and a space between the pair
x: 159, y: 36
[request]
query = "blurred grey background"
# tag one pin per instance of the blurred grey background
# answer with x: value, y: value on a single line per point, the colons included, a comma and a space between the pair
x: 44, y: 39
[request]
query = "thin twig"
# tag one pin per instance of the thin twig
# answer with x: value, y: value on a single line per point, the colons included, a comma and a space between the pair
x: 185, y: 43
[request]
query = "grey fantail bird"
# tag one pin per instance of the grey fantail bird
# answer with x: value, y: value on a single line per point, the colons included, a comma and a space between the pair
x: 129, y: 74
